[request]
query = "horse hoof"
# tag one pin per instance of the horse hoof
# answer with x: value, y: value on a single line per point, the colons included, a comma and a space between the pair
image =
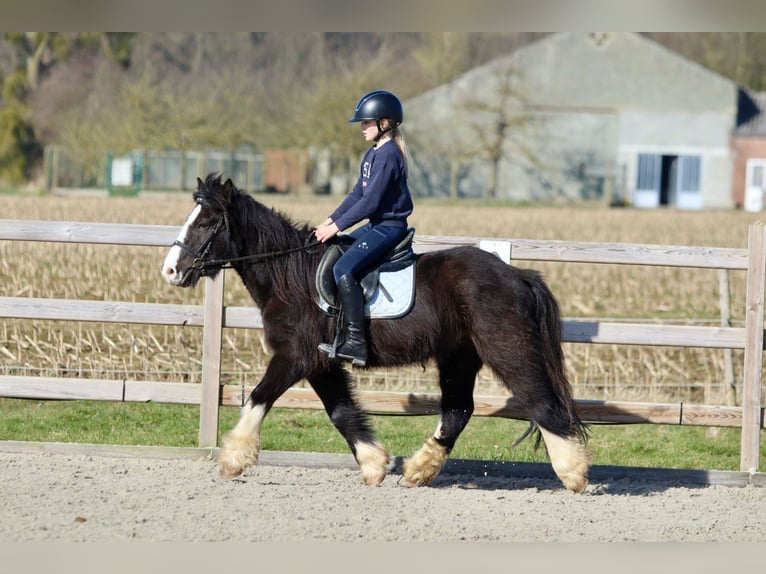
x: 238, y: 452
x: 373, y: 478
x: 413, y: 477
x: 372, y: 459
x: 577, y: 485
x: 228, y: 473
x: 425, y: 465
x: 570, y: 460
x: 229, y: 467
x: 575, y: 478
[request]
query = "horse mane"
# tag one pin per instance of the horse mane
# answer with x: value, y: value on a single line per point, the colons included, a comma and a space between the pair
x: 265, y: 230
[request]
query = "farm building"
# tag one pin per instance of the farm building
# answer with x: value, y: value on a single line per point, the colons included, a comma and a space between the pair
x: 611, y: 116
x: 749, y: 153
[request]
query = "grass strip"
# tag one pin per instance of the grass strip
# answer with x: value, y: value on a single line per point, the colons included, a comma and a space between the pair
x: 485, y: 438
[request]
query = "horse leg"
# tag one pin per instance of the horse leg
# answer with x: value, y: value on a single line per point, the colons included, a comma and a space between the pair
x: 241, y: 446
x: 334, y: 389
x: 569, y: 457
x: 563, y: 434
x: 457, y: 375
x: 554, y: 416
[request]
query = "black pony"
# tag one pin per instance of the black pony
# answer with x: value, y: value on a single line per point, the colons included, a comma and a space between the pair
x: 471, y: 309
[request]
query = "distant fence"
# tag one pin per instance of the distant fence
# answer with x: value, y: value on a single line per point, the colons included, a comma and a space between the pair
x: 213, y: 316
x: 176, y: 170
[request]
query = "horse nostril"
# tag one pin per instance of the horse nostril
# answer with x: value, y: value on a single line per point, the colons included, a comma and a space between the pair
x: 169, y: 272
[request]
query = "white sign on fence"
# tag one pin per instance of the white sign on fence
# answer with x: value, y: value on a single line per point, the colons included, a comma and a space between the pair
x: 500, y: 248
x: 122, y: 172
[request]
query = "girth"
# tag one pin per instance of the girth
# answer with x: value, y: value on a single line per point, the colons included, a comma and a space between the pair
x: 398, y: 258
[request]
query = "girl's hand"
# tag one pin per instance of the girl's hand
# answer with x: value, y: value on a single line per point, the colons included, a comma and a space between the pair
x: 326, y: 231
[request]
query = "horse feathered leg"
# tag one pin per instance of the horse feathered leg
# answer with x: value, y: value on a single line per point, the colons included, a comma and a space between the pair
x: 457, y: 375
x: 241, y: 446
x: 556, y: 418
x: 525, y: 352
x: 426, y: 464
x: 333, y: 387
x: 373, y: 461
x: 570, y: 459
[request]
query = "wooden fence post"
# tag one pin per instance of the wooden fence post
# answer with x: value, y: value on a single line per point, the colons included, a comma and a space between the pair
x: 724, y: 291
x: 212, y: 335
x: 751, y: 383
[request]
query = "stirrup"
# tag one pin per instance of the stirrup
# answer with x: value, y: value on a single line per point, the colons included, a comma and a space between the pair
x: 329, y: 349
x: 355, y: 361
x: 332, y: 353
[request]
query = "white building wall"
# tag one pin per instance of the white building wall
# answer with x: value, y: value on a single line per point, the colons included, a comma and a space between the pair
x: 676, y: 134
x: 604, y: 97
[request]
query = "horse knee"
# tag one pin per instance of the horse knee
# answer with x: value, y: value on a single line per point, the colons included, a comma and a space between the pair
x: 424, y: 465
x: 570, y: 459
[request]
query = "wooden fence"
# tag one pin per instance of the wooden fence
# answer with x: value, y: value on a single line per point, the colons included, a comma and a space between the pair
x: 213, y: 316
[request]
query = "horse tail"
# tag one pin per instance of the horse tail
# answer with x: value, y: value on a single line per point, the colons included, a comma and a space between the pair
x: 548, y: 319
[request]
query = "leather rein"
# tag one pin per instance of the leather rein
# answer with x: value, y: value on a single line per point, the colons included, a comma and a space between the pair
x: 198, y: 257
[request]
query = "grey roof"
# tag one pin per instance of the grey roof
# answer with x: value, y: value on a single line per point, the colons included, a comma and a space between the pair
x: 594, y: 70
x: 751, y: 114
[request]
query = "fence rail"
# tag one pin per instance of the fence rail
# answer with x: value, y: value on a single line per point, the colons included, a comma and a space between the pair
x: 213, y: 316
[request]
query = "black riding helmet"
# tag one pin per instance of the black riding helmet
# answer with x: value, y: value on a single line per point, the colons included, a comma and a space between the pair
x: 377, y: 105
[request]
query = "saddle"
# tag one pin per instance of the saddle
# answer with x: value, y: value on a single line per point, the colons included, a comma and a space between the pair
x: 388, y: 289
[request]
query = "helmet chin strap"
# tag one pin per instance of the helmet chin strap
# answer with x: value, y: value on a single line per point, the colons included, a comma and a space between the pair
x: 381, y: 131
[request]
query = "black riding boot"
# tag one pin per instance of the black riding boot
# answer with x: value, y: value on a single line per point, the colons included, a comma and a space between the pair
x: 353, y: 344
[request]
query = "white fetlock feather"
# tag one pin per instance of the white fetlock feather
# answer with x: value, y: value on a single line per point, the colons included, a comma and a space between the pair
x: 424, y: 465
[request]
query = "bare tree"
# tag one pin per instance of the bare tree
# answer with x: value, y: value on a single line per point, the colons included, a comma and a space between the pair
x: 281, y: 89
x: 498, y: 122
x: 441, y: 55
x: 31, y: 47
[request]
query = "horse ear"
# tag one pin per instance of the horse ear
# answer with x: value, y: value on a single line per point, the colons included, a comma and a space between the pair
x: 228, y: 187
x: 200, y: 183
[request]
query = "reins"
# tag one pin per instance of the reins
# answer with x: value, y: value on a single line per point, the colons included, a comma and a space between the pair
x: 198, y: 257
x: 198, y: 263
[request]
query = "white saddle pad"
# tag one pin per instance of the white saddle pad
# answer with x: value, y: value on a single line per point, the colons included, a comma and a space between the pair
x: 393, y: 298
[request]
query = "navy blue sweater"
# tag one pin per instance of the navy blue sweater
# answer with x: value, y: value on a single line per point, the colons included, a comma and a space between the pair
x: 381, y: 193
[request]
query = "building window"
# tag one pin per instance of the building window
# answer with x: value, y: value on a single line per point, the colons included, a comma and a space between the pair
x: 689, y: 175
x: 755, y: 184
x: 666, y: 179
x: 755, y: 173
x: 649, y: 169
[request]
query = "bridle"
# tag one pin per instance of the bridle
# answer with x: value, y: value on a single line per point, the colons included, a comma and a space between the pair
x: 198, y: 257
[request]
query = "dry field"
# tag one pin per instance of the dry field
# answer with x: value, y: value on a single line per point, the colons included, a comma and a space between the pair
x: 584, y: 291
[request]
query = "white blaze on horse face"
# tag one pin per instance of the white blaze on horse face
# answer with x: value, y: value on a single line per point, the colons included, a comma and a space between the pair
x: 170, y: 265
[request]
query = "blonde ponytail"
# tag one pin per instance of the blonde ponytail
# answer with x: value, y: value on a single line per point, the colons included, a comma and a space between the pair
x: 398, y: 137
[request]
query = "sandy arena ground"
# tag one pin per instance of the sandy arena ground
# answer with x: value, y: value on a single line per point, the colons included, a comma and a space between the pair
x: 82, y: 497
